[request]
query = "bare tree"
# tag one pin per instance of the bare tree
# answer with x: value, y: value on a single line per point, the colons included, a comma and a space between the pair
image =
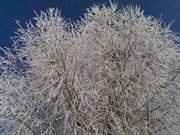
x: 115, y: 72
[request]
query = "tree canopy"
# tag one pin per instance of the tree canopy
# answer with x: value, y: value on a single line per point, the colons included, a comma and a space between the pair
x: 114, y: 72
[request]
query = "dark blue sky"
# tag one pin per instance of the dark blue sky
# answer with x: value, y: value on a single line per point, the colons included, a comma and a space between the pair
x: 22, y: 10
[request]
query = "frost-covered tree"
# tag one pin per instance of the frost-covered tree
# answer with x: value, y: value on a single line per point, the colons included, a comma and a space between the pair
x: 114, y: 72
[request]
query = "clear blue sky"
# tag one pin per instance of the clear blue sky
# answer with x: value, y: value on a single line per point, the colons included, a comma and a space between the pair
x: 22, y: 10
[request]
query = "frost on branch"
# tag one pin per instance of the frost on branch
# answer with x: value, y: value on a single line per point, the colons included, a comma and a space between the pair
x: 115, y: 72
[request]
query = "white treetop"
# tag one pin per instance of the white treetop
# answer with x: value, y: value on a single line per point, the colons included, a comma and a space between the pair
x: 114, y: 72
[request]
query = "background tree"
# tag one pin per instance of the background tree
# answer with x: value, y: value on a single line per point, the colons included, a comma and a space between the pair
x: 114, y: 72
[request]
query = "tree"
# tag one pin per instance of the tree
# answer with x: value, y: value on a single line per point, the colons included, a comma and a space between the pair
x: 116, y: 71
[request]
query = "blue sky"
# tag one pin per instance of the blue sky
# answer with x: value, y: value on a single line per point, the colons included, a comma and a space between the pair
x: 22, y: 10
